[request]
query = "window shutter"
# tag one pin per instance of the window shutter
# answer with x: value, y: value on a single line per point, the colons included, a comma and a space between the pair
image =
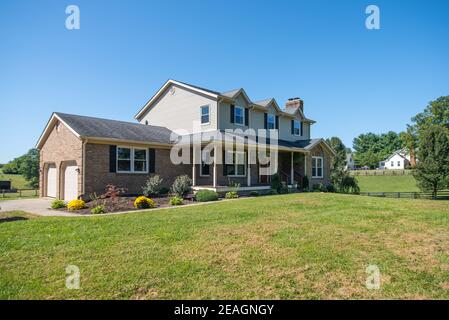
x: 246, y: 116
x: 300, y: 126
x: 232, y: 113
x: 293, y: 126
x: 265, y: 120
x: 224, y: 164
x: 151, y: 158
x: 277, y: 122
x: 112, y: 158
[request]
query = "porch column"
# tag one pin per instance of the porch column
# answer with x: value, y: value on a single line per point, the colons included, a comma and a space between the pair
x: 248, y: 172
x: 292, y: 173
x: 194, y: 165
x: 215, y: 167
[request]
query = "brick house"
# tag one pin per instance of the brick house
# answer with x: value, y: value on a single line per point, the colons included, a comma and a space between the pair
x: 81, y: 155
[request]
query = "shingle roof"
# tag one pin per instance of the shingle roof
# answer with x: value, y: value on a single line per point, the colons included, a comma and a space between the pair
x: 113, y: 129
x: 264, y: 102
x: 231, y: 93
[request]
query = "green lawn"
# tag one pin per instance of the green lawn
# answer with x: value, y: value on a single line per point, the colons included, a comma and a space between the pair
x: 297, y: 246
x: 387, y: 183
x: 17, y: 182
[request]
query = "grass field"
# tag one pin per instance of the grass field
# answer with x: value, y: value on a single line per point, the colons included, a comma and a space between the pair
x: 404, y: 183
x: 295, y: 246
x: 17, y: 180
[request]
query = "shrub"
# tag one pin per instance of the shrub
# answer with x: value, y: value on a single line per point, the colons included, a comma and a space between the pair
x: 271, y: 192
x: 76, y: 205
x: 305, y: 183
x: 319, y: 187
x: 276, y: 183
x: 57, y: 204
x: 231, y: 195
x: 349, y: 185
x: 181, y: 186
x: 98, y: 209
x: 206, y: 195
x: 176, y: 201
x: 164, y: 191
x: 330, y: 188
x: 143, y: 202
x: 254, y: 193
x: 283, y: 189
x: 153, y: 186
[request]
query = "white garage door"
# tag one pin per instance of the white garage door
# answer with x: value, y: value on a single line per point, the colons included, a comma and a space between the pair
x: 51, y: 181
x: 70, y: 183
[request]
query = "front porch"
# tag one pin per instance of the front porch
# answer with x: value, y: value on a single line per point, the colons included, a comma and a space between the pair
x: 249, y: 173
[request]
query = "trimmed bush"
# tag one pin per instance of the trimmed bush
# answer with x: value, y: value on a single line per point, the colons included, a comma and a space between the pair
x: 231, y: 195
x: 254, y: 193
x: 143, y: 202
x: 98, y: 209
x: 305, y: 183
x: 176, y: 201
x: 76, y: 205
x: 57, y: 204
x: 182, y: 186
x: 271, y: 192
x: 276, y: 183
x: 153, y: 186
x: 164, y: 191
x: 206, y: 195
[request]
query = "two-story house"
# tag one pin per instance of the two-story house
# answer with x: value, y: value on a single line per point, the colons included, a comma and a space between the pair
x: 81, y: 155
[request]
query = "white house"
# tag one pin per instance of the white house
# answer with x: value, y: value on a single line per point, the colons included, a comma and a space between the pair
x: 350, y: 164
x: 399, y: 159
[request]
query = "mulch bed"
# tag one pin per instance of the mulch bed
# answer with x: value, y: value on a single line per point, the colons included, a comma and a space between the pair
x: 122, y: 204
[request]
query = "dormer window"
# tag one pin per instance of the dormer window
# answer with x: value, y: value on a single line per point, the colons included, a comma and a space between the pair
x: 271, y: 121
x: 239, y: 115
x: 297, y: 128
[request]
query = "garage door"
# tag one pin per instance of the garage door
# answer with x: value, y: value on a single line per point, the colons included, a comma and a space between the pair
x: 70, y: 183
x: 51, y: 181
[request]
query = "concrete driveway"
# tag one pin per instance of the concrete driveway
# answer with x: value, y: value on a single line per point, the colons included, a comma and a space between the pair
x: 36, y: 206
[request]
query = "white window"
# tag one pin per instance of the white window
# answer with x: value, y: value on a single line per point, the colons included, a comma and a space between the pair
x: 271, y: 121
x: 239, y: 115
x: 392, y: 163
x: 204, y: 114
x: 297, y: 128
x: 317, y: 167
x: 132, y: 160
x: 235, y: 163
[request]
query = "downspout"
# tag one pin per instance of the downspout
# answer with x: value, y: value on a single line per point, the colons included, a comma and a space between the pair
x: 83, y: 168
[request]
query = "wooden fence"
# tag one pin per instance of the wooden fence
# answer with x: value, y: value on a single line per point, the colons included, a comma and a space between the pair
x: 441, y: 195
x: 392, y: 172
x: 19, y: 193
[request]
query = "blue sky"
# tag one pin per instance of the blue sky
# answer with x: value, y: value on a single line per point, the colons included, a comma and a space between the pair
x: 352, y: 80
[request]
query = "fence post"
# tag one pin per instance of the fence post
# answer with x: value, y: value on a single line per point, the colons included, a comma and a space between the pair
x: 399, y: 194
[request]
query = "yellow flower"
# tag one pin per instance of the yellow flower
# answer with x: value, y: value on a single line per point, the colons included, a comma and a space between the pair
x: 143, y: 202
x: 76, y: 205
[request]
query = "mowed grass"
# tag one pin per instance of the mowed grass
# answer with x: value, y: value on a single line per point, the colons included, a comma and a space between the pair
x: 406, y: 183
x: 297, y: 246
x: 17, y: 180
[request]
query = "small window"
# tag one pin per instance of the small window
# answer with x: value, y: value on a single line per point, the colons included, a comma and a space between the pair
x: 399, y: 163
x: 140, y: 160
x: 239, y: 115
x: 132, y: 160
x: 237, y: 166
x: 204, y: 114
x: 392, y: 163
x: 297, y: 128
x: 205, y: 163
x: 271, y: 121
x: 123, y: 159
x: 317, y: 167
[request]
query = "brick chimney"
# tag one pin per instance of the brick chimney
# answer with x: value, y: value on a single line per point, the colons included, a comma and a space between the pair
x: 293, y: 104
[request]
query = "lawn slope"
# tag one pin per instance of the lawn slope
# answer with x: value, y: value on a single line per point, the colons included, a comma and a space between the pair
x: 387, y: 183
x: 294, y: 246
